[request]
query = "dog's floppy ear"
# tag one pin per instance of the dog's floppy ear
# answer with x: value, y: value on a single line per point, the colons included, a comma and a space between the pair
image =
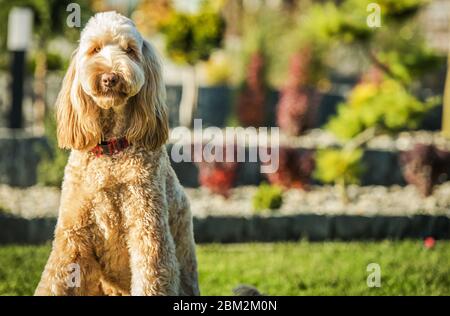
x: 149, y: 125
x: 76, y: 114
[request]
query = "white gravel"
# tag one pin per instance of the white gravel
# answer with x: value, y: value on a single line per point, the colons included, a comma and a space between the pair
x: 40, y: 201
x: 401, y: 141
x: 319, y: 138
x: 35, y: 201
x: 370, y: 201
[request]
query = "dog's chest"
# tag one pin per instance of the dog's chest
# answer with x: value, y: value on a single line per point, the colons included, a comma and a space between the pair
x: 108, y: 172
x: 109, y: 234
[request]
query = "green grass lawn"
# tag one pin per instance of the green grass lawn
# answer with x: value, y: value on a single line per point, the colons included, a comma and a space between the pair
x: 331, y: 268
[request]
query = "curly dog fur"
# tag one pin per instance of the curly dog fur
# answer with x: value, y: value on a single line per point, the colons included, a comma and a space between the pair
x: 124, y: 219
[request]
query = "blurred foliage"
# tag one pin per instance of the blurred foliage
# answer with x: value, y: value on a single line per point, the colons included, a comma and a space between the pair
x: 278, y: 35
x: 295, y: 168
x: 339, y: 166
x: 193, y: 37
x: 387, y: 105
x: 327, y: 25
x: 297, y: 102
x: 49, y: 18
x: 4, y: 62
x: 55, y: 62
x: 267, y: 197
x: 251, y: 99
x: 50, y: 170
x: 383, y: 101
x: 150, y: 15
x: 399, y: 9
x: 425, y: 166
x: 398, y: 45
x: 408, y: 64
x: 218, y: 69
x: 345, y: 21
x: 218, y: 177
x: 397, y: 48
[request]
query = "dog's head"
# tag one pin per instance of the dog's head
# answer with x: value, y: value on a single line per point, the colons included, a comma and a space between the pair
x: 113, y: 68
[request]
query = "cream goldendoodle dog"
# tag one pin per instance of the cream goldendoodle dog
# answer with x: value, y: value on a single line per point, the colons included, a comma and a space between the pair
x: 124, y: 221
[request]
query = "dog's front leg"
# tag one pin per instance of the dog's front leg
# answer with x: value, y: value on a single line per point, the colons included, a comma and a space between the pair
x: 185, y: 247
x: 71, y: 268
x: 153, y: 262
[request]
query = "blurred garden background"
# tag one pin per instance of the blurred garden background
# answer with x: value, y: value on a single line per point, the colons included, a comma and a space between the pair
x: 359, y: 89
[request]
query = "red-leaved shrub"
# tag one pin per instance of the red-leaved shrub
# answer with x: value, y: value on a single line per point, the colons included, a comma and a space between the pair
x: 295, y: 168
x: 252, y: 98
x: 218, y: 177
x: 424, y: 166
x: 297, y: 104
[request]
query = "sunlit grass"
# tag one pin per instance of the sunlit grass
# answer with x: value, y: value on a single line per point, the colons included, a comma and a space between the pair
x: 331, y: 268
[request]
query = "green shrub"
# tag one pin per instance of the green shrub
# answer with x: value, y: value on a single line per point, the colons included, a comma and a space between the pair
x: 339, y: 166
x: 386, y: 105
x: 346, y: 20
x: 193, y: 37
x: 52, y: 164
x: 268, y: 197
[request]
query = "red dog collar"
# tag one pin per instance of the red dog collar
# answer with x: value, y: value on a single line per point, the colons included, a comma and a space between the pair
x: 110, y: 147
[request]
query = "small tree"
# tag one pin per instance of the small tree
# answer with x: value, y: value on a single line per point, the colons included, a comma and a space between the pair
x: 339, y: 166
x: 376, y: 105
x: 383, y: 101
x: 382, y: 106
x: 191, y: 38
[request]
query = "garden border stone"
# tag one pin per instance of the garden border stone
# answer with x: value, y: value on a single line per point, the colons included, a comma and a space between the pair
x: 227, y: 229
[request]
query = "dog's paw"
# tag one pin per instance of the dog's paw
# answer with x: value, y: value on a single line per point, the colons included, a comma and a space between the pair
x: 246, y: 290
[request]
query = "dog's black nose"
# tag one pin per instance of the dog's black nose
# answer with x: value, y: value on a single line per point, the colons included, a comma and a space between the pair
x: 109, y: 80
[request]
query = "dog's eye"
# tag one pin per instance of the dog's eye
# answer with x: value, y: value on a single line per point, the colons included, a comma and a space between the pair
x: 96, y: 50
x: 129, y: 50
